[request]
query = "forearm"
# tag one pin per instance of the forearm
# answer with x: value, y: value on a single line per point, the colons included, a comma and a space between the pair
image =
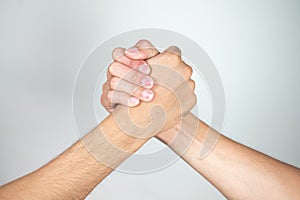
x: 65, y: 177
x: 74, y: 173
x: 238, y: 171
x: 243, y: 173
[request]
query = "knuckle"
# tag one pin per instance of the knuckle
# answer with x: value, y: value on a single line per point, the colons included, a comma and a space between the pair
x: 104, y: 86
x: 103, y: 100
x: 194, y: 100
x: 111, y: 67
x: 177, y: 61
x: 108, y: 74
x: 188, y: 71
x: 144, y: 43
x: 114, y: 82
x: 174, y: 50
x: 192, y: 84
x: 117, y: 52
x: 109, y: 95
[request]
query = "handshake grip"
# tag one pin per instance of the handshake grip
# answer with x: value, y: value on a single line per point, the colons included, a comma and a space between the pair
x: 174, y: 98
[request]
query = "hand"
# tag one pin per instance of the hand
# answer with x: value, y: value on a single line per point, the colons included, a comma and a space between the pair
x: 129, y: 92
x: 124, y: 84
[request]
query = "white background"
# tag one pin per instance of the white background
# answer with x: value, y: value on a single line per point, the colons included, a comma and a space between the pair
x: 255, y: 46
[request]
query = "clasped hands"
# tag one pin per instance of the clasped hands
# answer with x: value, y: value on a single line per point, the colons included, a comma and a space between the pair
x: 146, y: 91
x: 149, y: 94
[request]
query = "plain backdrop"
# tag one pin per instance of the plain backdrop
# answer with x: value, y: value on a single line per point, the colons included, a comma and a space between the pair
x: 255, y: 46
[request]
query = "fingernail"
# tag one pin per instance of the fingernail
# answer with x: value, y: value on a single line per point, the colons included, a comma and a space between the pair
x: 144, y: 68
x: 147, y: 82
x: 147, y: 95
x: 133, y: 50
x: 134, y: 101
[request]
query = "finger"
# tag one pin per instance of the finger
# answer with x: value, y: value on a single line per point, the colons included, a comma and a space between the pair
x: 118, y: 55
x: 143, y: 49
x: 193, y: 98
x: 121, y: 85
x: 108, y: 76
x: 192, y: 84
x: 130, y: 75
x: 187, y: 72
x: 116, y: 97
x: 185, y: 92
x: 105, y: 101
x: 174, y: 50
x: 106, y: 87
x: 173, y: 55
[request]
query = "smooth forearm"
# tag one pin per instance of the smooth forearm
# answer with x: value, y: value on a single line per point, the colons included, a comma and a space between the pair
x: 235, y: 170
x: 240, y: 172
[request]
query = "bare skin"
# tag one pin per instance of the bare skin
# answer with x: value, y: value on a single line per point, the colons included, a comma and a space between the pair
x: 75, y: 173
x: 72, y: 175
x: 237, y: 171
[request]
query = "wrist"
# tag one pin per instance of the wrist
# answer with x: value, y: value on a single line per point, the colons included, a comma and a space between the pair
x: 118, y: 137
x: 189, y: 137
x: 188, y: 127
x: 169, y: 135
x: 109, y: 145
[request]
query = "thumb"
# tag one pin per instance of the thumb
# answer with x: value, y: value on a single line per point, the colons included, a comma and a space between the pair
x: 142, y: 50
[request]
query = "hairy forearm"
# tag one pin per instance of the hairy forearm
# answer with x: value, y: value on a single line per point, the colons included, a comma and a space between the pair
x: 74, y: 173
x: 235, y: 170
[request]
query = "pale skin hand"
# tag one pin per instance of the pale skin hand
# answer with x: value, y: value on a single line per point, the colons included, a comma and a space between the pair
x: 74, y: 173
x: 237, y: 171
x: 118, y: 90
